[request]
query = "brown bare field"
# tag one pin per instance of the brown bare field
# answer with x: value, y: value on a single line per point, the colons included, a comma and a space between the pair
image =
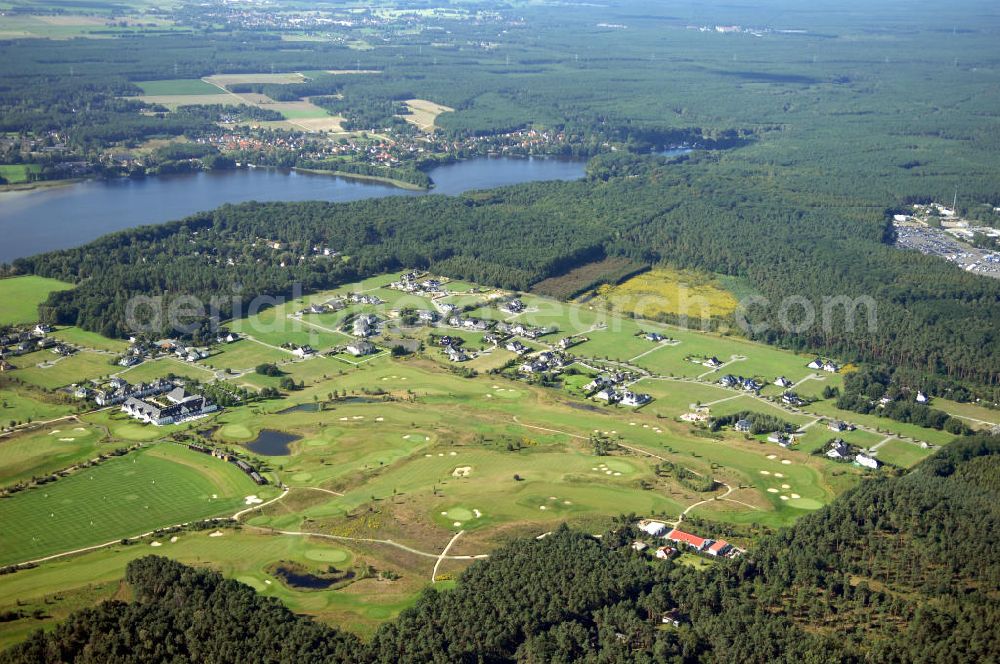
x: 585, y: 277
x: 222, y: 80
x: 423, y: 113
x: 73, y: 20
x: 330, y: 123
x: 173, y: 101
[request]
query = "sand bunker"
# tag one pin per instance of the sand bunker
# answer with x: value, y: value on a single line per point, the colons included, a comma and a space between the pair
x: 252, y: 500
x: 461, y: 471
x: 795, y: 495
x: 772, y: 490
x: 217, y: 533
x: 155, y: 544
x: 765, y: 472
x: 786, y: 462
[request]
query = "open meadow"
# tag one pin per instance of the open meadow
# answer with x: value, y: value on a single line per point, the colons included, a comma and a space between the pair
x: 20, y: 297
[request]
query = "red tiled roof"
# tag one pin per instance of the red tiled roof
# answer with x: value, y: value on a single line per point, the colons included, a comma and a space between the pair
x: 687, y: 538
x: 718, y: 546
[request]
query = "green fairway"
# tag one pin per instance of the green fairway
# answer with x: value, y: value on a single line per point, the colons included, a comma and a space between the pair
x: 20, y: 297
x: 123, y: 497
x: 180, y: 86
x: 48, y: 449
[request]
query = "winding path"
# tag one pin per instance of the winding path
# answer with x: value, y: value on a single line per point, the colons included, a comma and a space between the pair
x: 444, y: 552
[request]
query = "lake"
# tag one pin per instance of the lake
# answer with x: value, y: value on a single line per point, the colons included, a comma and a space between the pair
x: 61, y: 217
x: 272, y: 443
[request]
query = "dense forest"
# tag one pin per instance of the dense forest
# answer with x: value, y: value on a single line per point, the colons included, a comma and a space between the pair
x: 895, y: 570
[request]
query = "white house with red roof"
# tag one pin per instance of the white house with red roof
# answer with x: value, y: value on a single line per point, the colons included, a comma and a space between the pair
x: 719, y: 548
x: 695, y: 542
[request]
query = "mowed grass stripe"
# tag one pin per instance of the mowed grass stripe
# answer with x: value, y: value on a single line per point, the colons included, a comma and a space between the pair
x: 123, y: 497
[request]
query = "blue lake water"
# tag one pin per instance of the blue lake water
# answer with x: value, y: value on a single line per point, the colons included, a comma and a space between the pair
x: 62, y: 217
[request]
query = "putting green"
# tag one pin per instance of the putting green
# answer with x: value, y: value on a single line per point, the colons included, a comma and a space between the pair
x: 617, y: 465
x: 317, y: 442
x: 459, y: 514
x: 302, y: 477
x: 805, y: 503
x: 327, y: 555
x: 251, y: 581
x: 235, y: 431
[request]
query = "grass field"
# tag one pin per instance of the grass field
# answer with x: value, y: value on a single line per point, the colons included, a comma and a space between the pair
x: 47, y: 450
x: 17, y: 173
x: 901, y: 453
x: 59, y: 371
x: 20, y: 297
x: 122, y: 497
x: 21, y: 405
x: 178, y: 87
x: 85, y: 339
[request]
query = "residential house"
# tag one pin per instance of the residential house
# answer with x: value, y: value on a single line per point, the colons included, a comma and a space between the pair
x: 630, y: 398
x: 712, y: 363
x: 830, y: 367
x: 360, y: 347
x: 665, y: 552
x: 838, y: 426
x: 743, y: 426
x: 781, y: 381
x: 516, y: 347
x: 303, y: 351
x: 815, y: 364
x: 719, y: 548
x: 655, y: 337
x: 922, y: 398
x: 607, y: 394
x: 639, y: 545
x: 456, y: 354
x: 839, y: 450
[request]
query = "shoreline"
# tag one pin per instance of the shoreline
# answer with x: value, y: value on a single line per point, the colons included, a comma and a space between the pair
x: 399, y: 184
x: 26, y: 187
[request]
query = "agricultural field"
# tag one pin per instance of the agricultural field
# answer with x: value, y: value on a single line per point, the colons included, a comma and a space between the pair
x: 423, y: 113
x: 22, y: 295
x: 180, y: 87
x: 667, y: 291
x: 123, y: 497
